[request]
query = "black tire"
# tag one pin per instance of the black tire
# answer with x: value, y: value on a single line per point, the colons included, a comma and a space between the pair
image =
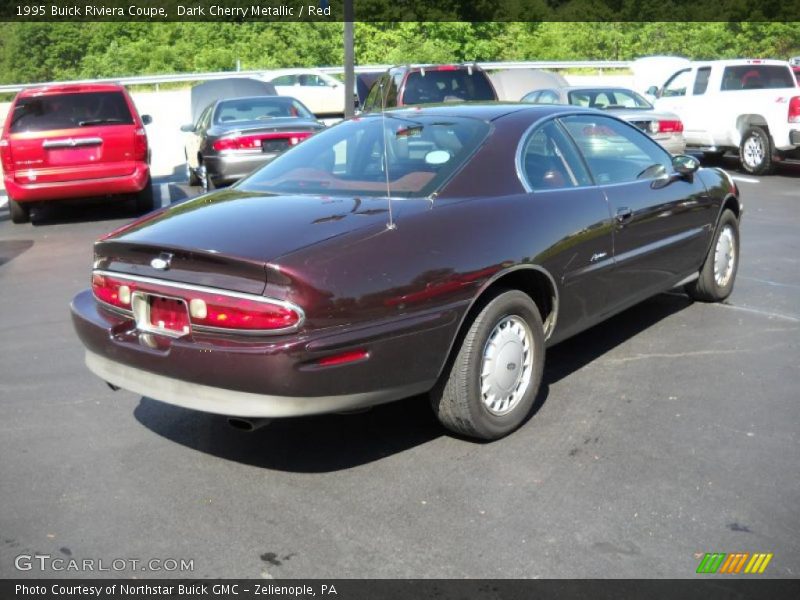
x: 20, y: 213
x: 145, y: 201
x: 706, y: 288
x: 459, y: 401
x: 756, y: 152
x: 191, y: 175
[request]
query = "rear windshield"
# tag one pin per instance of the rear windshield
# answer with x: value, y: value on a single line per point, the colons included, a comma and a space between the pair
x: 65, y: 111
x: 613, y: 98
x: 421, y: 153
x: 756, y: 77
x: 259, y: 109
x: 447, y: 86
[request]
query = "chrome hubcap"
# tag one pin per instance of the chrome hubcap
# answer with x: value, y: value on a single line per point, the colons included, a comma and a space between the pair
x: 724, y: 256
x: 188, y: 172
x: 507, y: 365
x: 753, y: 151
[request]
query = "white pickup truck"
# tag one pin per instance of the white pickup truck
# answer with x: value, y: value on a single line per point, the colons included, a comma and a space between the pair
x: 752, y: 106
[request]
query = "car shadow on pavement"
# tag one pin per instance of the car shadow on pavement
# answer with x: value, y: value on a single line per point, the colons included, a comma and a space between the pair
x: 328, y: 443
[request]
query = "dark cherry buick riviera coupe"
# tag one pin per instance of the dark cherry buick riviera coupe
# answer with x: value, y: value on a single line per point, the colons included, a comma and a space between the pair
x: 436, y: 250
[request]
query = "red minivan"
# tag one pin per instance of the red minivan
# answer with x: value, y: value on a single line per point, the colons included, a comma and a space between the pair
x: 73, y: 141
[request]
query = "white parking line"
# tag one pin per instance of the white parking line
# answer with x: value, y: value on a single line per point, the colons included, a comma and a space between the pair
x: 745, y: 179
x: 164, y: 192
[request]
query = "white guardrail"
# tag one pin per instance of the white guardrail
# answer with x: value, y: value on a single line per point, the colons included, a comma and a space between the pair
x: 181, y: 77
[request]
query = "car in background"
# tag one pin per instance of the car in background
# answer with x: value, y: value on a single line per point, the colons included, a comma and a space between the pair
x: 320, y: 92
x: 74, y: 141
x: 301, y: 291
x: 429, y: 84
x: 795, y: 64
x: 233, y: 137
x: 364, y: 83
x: 664, y: 127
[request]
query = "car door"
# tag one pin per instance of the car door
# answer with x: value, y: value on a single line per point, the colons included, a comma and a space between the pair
x: 194, y: 139
x: 663, y: 221
x: 576, y: 214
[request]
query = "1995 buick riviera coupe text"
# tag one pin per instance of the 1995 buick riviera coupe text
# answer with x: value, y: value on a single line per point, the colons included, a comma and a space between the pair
x: 307, y: 288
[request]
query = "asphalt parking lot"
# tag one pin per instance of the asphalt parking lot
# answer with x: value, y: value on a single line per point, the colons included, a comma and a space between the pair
x: 670, y: 431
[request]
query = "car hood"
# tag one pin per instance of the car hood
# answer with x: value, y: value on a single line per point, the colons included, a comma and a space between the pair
x: 257, y: 227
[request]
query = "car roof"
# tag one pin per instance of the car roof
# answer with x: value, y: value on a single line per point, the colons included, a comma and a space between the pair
x: 74, y: 88
x: 486, y: 111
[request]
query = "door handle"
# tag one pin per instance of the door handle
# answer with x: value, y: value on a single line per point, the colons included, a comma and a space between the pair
x: 624, y: 214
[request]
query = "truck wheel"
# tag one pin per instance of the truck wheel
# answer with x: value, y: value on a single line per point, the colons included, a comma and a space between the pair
x: 755, y: 151
x: 20, y: 213
x: 495, y: 376
x: 719, y: 270
x: 144, y: 199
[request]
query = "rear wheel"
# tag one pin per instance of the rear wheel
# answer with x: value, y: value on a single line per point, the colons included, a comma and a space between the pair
x: 145, y: 202
x: 718, y: 272
x: 494, y: 378
x: 191, y: 175
x: 20, y: 213
x: 205, y: 179
x: 755, y: 151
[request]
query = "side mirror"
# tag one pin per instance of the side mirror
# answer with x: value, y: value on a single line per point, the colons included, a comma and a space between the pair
x: 685, y: 165
x: 146, y: 119
x: 187, y: 128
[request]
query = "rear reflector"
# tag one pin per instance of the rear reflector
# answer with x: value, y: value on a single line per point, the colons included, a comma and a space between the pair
x: 343, y: 358
x: 208, y: 308
x: 670, y: 126
x: 794, y: 110
x: 256, y: 141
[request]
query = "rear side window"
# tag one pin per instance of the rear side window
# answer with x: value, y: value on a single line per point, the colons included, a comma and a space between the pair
x: 259, y: 109
x: 549, y: 160
x: 701, y: 81
x: 65, y: 111
x: 756, y: 77
x: 456, y: 85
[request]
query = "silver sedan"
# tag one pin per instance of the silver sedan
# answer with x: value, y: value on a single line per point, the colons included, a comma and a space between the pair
x: 664, y: 127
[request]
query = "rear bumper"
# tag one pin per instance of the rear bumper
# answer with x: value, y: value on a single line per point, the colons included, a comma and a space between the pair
x: 84, y: 188
x: 230, y: 168
x: 266, y: 376
x: 674, y: 144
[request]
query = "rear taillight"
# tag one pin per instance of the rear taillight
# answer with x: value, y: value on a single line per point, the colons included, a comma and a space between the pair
x: 207, y: 308
x: 794, y: 110
x: 112, y: 291
x: 255, y: 141
x: 140, y: 144
x: 5, y: 156
x: 670, y: 126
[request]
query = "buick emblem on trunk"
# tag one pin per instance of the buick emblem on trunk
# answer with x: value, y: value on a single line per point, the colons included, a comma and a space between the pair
x: 162, y: 261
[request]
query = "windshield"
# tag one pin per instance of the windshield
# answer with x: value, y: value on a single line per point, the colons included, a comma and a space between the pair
x: 421, y: 153
x: 608, y: 98
x: 65, y: 111
x: 457, y: 85
x: 259, y: 109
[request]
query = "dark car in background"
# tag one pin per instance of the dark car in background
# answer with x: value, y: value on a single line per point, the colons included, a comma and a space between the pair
x: 233, y: 137
x: 664, y: 127
x: 436, y: 249
x: 429, y: 84
x: 74, y: 141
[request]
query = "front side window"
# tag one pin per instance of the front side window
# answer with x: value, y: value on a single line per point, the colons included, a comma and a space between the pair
x: 616, y: 152
x: 677, y: 84
x: 65, y: 111
x: 549, y: 160
x: 349, y: 158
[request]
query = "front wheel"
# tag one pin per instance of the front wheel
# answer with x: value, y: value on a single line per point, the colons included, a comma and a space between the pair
x: 718, y: 272
x: 755, y: 151
x: 493, y: 381
x: 20, y: 213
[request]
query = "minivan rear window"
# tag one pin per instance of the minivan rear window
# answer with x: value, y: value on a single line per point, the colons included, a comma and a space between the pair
x: 756, y: 77
x: 456, y: 85
x: 67, y: 111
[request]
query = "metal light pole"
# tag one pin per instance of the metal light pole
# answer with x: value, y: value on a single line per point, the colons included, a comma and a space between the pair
x: 349, y: 59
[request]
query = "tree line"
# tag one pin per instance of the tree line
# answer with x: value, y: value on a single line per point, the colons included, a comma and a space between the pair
x: 34, y: 52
